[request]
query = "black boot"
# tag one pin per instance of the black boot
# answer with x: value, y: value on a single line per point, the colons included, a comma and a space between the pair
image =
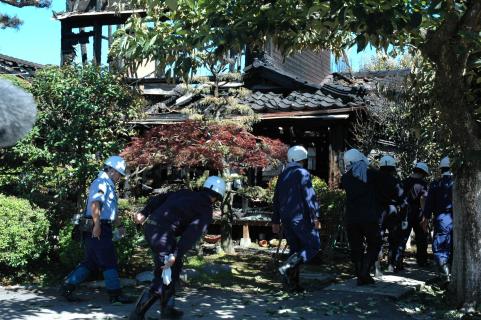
x: 171, y: 313
x: 291, y: 262
x: 287, y: 268
x: 145, y: 301
x: 66, y: 290
x: 446, y: 272
x: 364, y: 276
x: 378, y: 269
x: 167, y: 309
x: 116, y: 297
x: 296, y: 280
x: 357, y: 268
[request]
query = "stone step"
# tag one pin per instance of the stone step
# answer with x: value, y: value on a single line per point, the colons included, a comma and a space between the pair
x: 391, y: 286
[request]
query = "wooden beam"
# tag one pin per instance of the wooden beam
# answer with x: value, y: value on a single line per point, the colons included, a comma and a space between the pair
x: 105, y: 18
x: 67, y: 54
x: 98, y: 44
x: 336, y: 146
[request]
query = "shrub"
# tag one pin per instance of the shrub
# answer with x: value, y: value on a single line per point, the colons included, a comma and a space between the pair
x: 70, y: 251
x: 132, y: 240
x: 23, y: 232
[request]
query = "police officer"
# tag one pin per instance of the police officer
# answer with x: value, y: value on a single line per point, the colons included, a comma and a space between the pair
x: 440, y: 203
x: 185, y: 214
x: 416, y: 193
x: 363, y: 213
x: 295, y: 205
x: 392, y: 199
x: 100, y: 217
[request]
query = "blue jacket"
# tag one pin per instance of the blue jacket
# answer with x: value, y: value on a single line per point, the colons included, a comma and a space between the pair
x: 440, y: 197
x: 294, y: 196
x: 187, y: 214
x: 102, y: 190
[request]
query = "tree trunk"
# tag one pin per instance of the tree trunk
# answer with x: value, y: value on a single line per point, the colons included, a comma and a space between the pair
x: 467, y: 231
x: 226, y: 226
x: 226, y: 237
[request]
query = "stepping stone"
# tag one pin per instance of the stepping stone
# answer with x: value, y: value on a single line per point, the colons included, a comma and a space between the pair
x: 101, y: 284
x: 187, y: 274
x: 216, y: 268
x: 389, y: 286
x: 146, y: 276
x: 427, y: 276
x: 307, y: 277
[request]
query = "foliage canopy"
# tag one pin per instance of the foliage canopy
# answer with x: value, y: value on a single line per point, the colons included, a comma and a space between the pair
x: 204, y: 144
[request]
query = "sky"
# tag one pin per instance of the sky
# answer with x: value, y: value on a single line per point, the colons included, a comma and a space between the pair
x: 38, y: 39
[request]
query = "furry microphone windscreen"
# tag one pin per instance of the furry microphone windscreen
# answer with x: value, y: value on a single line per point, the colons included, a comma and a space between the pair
x: 17, y: 113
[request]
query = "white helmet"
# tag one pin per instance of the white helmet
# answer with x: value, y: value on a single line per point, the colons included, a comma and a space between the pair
x: 215, y: 184
x: 117, y: 163
x: 353, y: 155
x: 444, y: 163
x: 387, y: 161
x: 296, y: 153
x: 422, y: 166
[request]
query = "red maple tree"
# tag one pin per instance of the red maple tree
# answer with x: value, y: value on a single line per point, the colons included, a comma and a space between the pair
x: 202, y: 144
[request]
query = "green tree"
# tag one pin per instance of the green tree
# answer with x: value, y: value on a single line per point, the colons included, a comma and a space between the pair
x: 446, y: 33
x: 400, y: 112
x: 7, y: 21
x: 83, y: 118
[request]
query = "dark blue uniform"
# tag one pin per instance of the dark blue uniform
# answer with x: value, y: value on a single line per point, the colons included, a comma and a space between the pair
x: 363, y: 219
x: 416, y: 188
x: 392, y: 198
x: 440, y: 203
x: 295, y: 205
x: 185, y: 214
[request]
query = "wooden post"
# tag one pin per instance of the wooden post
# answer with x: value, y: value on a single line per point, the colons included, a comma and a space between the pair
x: 67, y: 49
x: 83, y: 49
x: 245, y: 242
x: 97, y: 44
x: 336, y: 146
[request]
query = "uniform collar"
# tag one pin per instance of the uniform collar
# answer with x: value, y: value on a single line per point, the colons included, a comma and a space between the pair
x: 293, y: 164
x: 104, y: 175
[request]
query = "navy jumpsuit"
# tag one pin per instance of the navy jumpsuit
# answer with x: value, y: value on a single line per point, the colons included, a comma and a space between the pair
x: 440, y: 203
x: 295, y: 205
x: 392, y: 199
x: 185, y: 214
x: 363, y: 218
x: 416, y: 188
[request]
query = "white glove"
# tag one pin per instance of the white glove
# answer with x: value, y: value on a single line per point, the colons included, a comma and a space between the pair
x: 167, y: 273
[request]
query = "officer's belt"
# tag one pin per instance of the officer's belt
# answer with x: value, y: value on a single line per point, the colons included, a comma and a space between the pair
x: 103, y: 221
x: 87, y: 224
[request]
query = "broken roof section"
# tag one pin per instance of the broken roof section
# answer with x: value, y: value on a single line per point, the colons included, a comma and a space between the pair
x: 270, y: 93
x: 18, y: 67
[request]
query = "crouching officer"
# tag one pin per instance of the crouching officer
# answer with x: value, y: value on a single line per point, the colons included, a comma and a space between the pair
x: 185, y: 214
x: 416, y: 193
x: 295, y: 205
x: 363, y: 213
x: 100, y: 216
x: 440, y: 202
x: 391, y: 196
